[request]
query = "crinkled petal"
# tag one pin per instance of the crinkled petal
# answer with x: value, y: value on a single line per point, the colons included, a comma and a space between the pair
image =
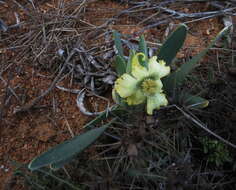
x: 159, y: 85
x: 138, y: 71
x: 158, y: 67
x: 125, y: 85
x: 155, y: 102
x: 137, y: 98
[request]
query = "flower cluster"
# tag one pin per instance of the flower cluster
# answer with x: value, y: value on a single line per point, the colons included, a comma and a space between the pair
x: 143, y: 84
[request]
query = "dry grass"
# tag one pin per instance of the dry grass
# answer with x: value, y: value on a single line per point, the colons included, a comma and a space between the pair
x: 53, y: 44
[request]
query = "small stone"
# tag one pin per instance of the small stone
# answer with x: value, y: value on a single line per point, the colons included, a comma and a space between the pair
x: 61, y: 52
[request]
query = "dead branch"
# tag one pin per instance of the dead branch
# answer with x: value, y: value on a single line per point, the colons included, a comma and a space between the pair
x: 30, y: 105
x: 198, y: 123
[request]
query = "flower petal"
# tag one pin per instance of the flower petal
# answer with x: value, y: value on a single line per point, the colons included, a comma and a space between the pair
x: 158, y: 67
x: 125, y: 85
x: 138, y: 71
x: 137, y: 98
x: 155, y: 102
x: 160, y: 85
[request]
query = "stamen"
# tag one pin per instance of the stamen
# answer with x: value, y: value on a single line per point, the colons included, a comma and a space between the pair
x: 149, y: 87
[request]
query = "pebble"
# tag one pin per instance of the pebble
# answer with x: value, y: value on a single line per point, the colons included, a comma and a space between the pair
x: 4, y: 168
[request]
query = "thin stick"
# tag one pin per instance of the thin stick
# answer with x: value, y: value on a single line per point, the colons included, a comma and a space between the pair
x: 28, y: 106
x: 69, y: 128
x: 204, y: 127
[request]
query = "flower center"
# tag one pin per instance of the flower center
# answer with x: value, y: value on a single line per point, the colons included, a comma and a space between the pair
x: 149, y: 87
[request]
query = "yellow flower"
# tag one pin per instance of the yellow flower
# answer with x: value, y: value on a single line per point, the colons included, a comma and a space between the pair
x: 143, y: 84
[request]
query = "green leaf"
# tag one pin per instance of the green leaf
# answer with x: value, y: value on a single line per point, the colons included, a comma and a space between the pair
x: 175, y: 79
x: 67, y: 149
x: 120, y: 65
x: 192, y: 101
x: 129, y: 64
x: 143, y: 48
x: 143, y: 45
x: 143, y: 61
x: 118, y: 44
x: 120, y: 59
x: 172, y: 45
x: 60, y: 164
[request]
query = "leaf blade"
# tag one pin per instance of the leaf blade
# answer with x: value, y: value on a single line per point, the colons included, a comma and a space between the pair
x: 172, y: 45
x: 120, y: 65
x: 129, y: 63
x: 143, y: 48
x: 193, y: 101
x: 60, y: 164
x: 67, y: 149
x: 118, y: 44
x: 175, y: 79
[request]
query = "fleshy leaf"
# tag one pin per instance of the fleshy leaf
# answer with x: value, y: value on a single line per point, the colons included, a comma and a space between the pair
x: 175, y: 79
x: 143, y: 48
x: 129, y: 64
x: 60, y: 164
x: 143, y: 45
x: 118, y: 44
x: 120, y: 65
x: 67, y: 149
x: 192, y: 101
x: 172, y: 45
x: 120, y: 59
